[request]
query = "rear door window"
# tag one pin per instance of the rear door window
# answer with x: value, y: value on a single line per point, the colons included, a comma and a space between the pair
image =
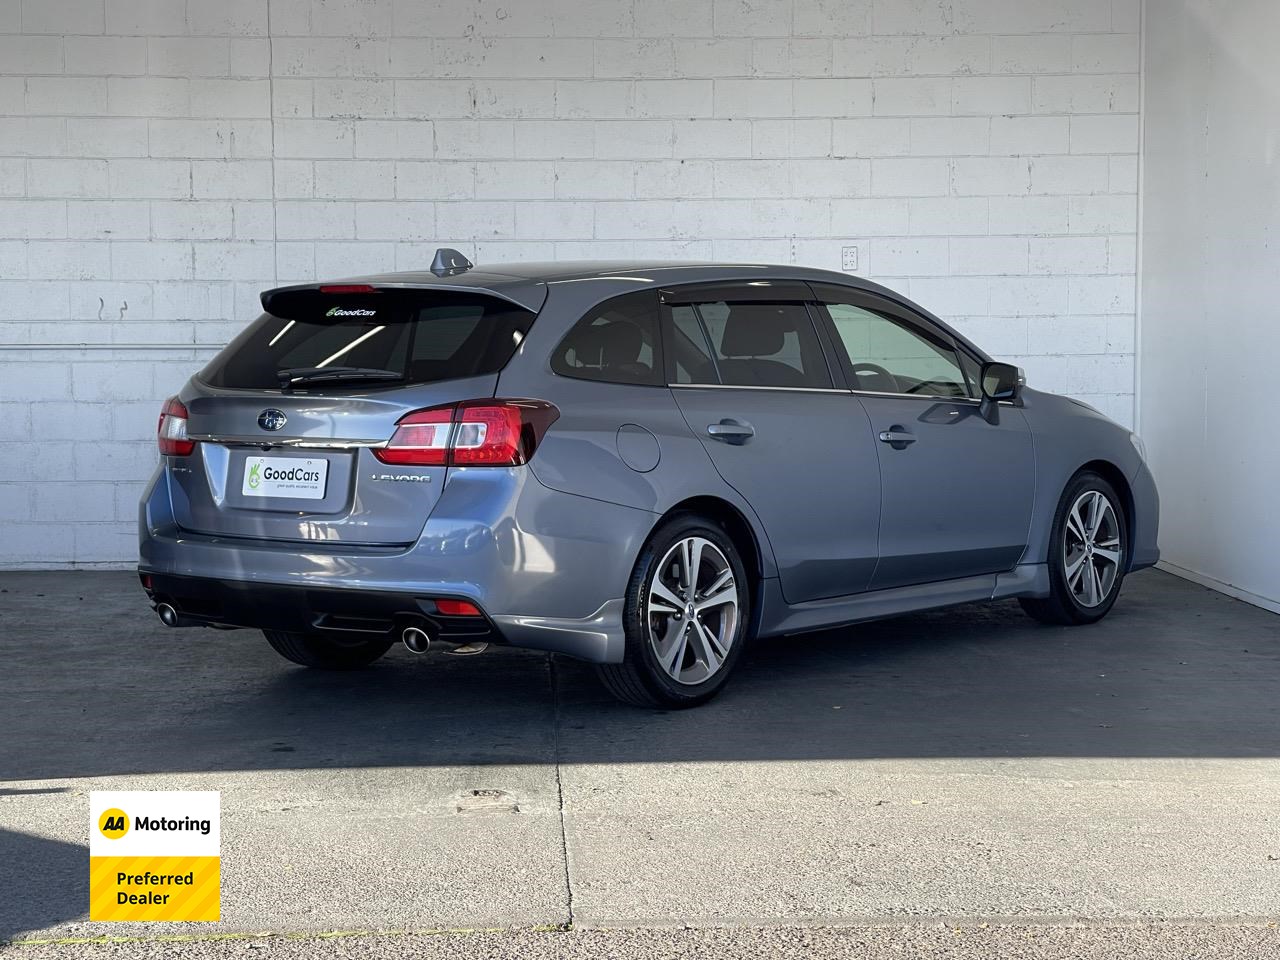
x: 758, y: 344
x: 386, y: 338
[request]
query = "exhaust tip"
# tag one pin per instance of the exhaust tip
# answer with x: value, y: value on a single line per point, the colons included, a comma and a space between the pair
x: 415, y: 639
x: 168, y: 615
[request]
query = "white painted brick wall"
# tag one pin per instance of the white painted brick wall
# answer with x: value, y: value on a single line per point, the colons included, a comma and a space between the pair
x: 160, y: 163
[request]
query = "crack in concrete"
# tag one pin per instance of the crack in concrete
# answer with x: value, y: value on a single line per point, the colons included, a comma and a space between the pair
x: 555, y: 742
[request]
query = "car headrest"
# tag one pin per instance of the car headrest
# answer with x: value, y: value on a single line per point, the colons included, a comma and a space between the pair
x: 754, y: 330
x: 613, y: 344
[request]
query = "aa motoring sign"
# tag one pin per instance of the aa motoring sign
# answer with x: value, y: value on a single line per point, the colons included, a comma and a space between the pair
x: 154, y: 855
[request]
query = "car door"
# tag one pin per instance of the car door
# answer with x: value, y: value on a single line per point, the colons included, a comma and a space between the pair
x: 956, y: 489
x: 750, y: 375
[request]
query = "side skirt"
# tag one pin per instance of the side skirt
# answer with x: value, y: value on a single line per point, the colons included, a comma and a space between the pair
x: 777, y: 617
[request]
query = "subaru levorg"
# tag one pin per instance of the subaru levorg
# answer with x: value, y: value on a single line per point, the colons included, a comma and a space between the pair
x: 643, y: 465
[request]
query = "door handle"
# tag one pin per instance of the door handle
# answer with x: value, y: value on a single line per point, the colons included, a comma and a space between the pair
x: 731, y: 431
x: 897, y: 437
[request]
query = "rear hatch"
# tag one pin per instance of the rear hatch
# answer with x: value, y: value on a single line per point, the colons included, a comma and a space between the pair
x: 289, y: 416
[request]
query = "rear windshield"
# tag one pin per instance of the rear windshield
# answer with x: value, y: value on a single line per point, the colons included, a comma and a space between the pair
x: 405, y: 336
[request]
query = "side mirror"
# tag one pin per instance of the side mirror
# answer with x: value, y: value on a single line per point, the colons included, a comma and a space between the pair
x: 1000, y: 381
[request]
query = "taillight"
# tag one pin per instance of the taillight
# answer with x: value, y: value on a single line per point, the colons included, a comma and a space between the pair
x: 421, y: 439
x: 474, y: 433
x: 488, y: 435
x: 171, y: 431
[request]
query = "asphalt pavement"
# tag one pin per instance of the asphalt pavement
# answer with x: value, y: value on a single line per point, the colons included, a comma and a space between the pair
x: 1094, y: 791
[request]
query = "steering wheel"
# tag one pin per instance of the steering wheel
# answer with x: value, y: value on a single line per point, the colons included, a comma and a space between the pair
x: 875, y: 370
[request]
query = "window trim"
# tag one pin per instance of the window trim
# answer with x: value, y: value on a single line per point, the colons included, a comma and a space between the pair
x: 667, y: 328
x: 736, y: 386
x: 893, y: 311
x: 763, y: 290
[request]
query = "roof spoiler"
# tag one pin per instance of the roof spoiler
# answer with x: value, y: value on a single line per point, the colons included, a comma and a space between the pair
x: 528, y: 295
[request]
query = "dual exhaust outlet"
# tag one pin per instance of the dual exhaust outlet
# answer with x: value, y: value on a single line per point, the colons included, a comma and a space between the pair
x: 416, y: 638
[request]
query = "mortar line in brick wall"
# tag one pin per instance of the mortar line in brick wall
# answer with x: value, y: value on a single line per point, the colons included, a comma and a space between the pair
x: 271, y: 114
x: 130, y: 347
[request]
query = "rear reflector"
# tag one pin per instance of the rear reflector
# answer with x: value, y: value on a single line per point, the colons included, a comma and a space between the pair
x: 474, y: 433
x: 457, y: 608
x: 171, y: 431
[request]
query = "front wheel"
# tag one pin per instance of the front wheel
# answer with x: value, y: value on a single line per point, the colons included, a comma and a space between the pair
x: 685, y: 616
x: 340, y: 651
x: 1088, y: 548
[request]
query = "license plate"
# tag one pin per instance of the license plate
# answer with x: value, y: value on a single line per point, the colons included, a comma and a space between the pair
x: 284, y: 477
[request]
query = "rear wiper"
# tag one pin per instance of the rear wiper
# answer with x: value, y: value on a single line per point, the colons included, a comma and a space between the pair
x: 291, y: 376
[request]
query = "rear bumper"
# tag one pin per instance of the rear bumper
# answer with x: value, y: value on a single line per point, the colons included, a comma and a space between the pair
x: 237, y: 603
x: 546, y: 567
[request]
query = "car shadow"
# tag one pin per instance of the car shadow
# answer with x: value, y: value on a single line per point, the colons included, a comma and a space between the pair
x: 1174, y: 671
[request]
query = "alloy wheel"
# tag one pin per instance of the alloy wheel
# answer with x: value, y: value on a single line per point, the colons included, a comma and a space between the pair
x: 692, y: 610
x: 1091, y: 548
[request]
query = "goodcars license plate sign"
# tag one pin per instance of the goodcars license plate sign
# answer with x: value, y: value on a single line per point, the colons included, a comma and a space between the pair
x: 284, y: 477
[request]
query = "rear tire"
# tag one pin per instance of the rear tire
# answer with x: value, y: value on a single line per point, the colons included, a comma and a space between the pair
x: 342, y: 651
x: 1088, y: 553
x: 672, y: 659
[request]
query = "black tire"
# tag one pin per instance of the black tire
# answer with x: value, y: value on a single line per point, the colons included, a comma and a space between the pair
x: 640, y: 679
x: 341, y: 651
x: 1062, y: 606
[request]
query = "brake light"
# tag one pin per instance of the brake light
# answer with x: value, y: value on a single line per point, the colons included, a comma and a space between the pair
x: 171, y: 431
x: 475, y: 433
x: 347, y: 288
x: 489, y: 435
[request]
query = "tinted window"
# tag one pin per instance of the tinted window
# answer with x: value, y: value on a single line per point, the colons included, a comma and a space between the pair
x: 687, y: 344
x: 616, y: 342
x: 889, y: 356
x: 418, y: 336
x: 764, y: 344
x: 972, y: 371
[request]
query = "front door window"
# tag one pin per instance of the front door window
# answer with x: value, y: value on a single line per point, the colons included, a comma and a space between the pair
x: 887, y: 356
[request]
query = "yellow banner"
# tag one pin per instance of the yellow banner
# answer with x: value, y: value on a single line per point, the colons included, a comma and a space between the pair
x: 155, y: 888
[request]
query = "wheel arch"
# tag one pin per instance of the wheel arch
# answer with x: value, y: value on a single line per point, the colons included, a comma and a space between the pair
x: 736, y: 524
x: 1120, y: 483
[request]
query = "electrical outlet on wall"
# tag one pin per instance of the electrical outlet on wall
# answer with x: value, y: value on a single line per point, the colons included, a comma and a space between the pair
x: 849, y: 259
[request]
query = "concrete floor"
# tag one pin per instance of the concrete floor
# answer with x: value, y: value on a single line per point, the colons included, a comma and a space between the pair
x: 968, y: 765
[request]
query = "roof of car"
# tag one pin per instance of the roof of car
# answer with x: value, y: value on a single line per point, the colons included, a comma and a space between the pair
x: 661, y: 271
x: 525, y: 284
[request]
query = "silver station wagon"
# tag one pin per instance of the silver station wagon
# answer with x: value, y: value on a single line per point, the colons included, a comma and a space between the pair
x: 643, y: 465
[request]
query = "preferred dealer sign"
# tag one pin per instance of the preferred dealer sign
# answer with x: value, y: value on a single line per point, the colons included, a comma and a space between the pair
x: 154, y: 855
